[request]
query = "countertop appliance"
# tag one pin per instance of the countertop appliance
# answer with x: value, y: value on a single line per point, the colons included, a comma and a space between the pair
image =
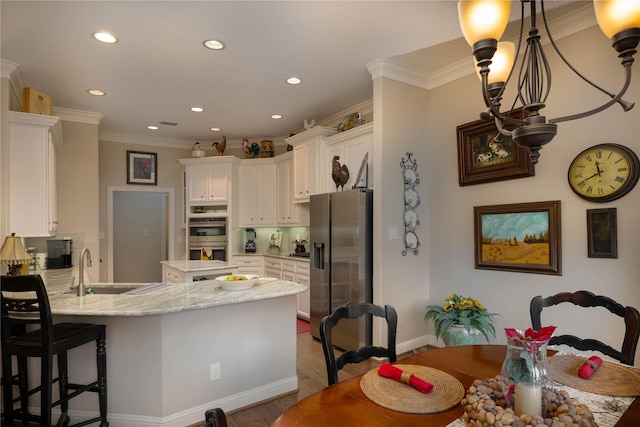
x: 250, y: 246
x: 59, y: 253
x: 341, y: 236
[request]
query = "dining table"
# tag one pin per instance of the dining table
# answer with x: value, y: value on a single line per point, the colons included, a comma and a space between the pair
x: 345, y: 404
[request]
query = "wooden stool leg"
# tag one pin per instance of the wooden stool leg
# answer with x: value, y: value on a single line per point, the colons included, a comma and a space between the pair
x: 63, y: 387
x: 23, y: 387
x: 101, y: 359
x: 7, y: 389
x: 46, y: 368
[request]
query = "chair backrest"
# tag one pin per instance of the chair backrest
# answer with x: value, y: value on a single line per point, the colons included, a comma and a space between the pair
x: 215, y: 418
x: 354, y: 310
x: 23, y: 299
x: 630, y: 315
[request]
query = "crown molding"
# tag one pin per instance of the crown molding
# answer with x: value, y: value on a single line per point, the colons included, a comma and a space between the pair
x: 79, y: 116
x: 561, y: 27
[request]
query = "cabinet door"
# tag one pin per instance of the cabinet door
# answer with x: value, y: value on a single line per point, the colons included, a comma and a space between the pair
x: 300, y: 173
x: 32, y: 180
x: 354, y: 151
x: 266, y: 197
x: 197, y: 183
x: 304, y: 298
x: 217, y: 184
x: 248, y: 195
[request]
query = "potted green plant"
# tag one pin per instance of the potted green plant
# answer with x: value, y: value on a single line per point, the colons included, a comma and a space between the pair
x: 461, y: 320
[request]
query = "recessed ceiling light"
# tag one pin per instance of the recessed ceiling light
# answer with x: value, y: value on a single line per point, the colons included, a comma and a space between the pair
x: 276, y: 116
x: 152, y: 127
x: 294, y: 81
x: 96, y: 92
x: 197, y: 109
x: 215, y: 129
x: 105, y: 37
x: 213, y: 44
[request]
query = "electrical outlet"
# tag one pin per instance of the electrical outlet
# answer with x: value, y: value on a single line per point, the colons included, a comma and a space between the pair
x: 214, y: 371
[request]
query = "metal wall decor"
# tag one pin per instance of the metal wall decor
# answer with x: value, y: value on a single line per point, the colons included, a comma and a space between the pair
x: 411, y: 201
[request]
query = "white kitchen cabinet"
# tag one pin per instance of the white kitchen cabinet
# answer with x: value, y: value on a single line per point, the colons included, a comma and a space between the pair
x: 249, y: 264
x: 308, y: 162
x: 287, y: 212
x: 208, y: 180
x: 297, y: 270
x: 32, y: 174
x: 273, y: 267
x: 257, y: 193
x: 351, y: 146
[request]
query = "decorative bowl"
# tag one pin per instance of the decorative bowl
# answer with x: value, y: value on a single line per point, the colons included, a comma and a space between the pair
x: 232, y: 283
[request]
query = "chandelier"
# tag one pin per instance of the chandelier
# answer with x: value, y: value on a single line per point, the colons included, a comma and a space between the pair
x: 484, y: 21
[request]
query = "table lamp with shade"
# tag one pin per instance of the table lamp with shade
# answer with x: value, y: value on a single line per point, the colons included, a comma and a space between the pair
x: 13, y: 254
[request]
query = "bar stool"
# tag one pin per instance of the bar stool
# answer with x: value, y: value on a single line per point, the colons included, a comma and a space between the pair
x: 19, y: 306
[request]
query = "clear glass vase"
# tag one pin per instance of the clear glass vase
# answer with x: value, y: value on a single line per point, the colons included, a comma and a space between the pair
x: 527, y: 377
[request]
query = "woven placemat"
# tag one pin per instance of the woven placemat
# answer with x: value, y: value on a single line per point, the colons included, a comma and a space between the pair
x: 447, y: 391
x: 612, y: 379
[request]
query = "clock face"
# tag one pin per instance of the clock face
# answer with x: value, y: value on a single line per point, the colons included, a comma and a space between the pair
x: 604, y: 172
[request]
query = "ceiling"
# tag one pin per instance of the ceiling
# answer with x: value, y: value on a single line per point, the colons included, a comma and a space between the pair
x: 159, y: 68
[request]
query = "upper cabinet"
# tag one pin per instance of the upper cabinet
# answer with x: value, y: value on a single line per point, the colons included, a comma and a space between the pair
x: 288, y: 212
x: 257, y: 192
x: 351, y: 147
x: 207, y: 180
x: 308, y: 158
x: 32, y: 174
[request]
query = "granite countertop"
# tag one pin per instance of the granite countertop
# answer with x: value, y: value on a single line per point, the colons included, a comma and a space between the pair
x: 156, y: 298
x: 275, y: 255
x: 191, y: 266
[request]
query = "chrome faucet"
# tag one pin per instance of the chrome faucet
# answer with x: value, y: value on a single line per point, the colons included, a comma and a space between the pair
x: 82, y: 289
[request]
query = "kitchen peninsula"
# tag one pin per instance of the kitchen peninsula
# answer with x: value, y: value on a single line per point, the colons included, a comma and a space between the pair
x: 166, y: 342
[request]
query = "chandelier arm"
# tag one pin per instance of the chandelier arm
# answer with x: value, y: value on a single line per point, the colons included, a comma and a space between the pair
x: 565, y: 60
x: 493, y: 104
x: 501, y: 129
x: 604, y: 106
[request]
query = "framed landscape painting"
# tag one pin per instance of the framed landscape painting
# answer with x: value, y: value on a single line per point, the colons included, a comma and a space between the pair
x: 521, y: 237
x: 481, y: 159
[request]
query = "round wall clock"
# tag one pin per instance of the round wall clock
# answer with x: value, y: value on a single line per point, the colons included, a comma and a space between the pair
x: 604, y: 172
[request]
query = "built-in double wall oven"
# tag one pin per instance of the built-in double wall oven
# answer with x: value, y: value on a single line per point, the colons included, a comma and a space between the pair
x: 208, y: 238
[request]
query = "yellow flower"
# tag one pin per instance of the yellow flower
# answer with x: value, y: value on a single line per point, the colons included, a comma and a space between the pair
x: 448, y: 307
x: 479, y: 304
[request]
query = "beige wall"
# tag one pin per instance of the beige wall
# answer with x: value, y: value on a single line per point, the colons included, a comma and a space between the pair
x: 450, y: 207
x: 112, y: 166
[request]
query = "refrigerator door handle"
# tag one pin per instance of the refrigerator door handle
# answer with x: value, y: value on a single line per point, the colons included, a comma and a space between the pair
x: 318, y: 256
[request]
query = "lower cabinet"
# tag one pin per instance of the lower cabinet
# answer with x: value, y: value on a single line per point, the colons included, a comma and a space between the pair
x: 176, y: 275
x: 294, y: 271
x: 250, y: 264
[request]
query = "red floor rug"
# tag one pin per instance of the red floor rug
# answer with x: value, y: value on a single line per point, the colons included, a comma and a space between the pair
x: 302, y: 326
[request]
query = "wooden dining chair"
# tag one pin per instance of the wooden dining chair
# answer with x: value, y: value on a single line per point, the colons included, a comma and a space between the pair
x: 630, y: 315
x: 354, y: 310
x: 215, y: 418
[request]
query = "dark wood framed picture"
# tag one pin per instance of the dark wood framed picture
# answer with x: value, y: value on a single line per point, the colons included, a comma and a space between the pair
x: 482, y: 160
x: 142, y: 168
x: 602, y: 233
x: 521, y: 237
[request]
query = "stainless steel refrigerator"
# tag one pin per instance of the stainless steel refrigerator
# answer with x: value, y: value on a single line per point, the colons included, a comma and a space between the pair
x: 341, y: 237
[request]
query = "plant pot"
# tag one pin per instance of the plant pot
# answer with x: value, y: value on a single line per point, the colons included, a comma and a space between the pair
x: 458, y: 335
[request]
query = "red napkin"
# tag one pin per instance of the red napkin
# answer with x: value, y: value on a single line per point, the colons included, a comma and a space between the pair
x: 585, y: 371
x: 389, y: 371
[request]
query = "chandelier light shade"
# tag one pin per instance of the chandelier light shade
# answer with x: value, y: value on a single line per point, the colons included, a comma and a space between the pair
x: 14, y: 254
x: 484, y: 21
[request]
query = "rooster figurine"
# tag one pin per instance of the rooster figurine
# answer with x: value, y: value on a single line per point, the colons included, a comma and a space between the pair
x: 220, y: 146
x: 340, y: 174
x: 251, y: 149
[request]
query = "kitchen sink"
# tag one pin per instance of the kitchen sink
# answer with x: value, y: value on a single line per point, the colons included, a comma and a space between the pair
x: 105, y: 290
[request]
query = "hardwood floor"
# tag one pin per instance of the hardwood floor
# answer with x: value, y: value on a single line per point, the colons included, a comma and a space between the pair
x: 312, y: 377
